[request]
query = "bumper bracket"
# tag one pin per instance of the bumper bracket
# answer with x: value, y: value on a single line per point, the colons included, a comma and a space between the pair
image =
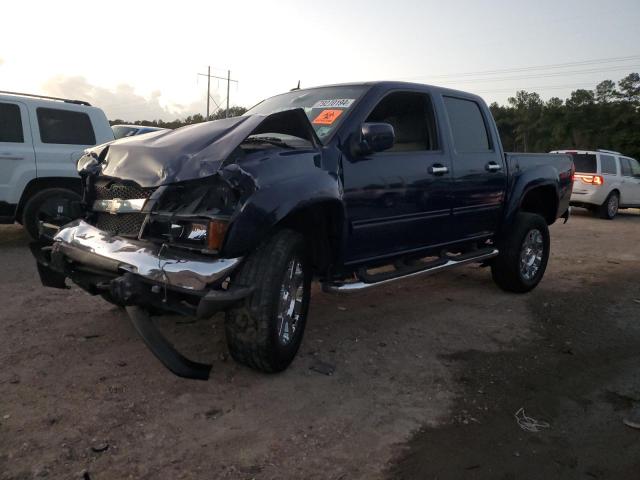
x: 162, y: 348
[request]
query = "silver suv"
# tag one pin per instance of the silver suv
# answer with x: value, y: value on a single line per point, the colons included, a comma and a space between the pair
x: 605, y: 181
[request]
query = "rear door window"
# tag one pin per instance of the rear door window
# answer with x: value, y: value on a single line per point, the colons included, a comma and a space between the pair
x: 65, y: 127
x: 585, y: 162
x: 467, y: 125
x: 10, y: 123
x: 608, y: 165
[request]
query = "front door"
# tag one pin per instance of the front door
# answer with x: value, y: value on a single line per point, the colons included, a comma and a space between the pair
x: 394, y: 204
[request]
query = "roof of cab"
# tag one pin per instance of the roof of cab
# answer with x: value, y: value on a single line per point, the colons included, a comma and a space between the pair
x: 395, y: 85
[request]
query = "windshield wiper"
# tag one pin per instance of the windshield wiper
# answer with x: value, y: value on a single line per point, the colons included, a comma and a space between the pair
x: 270, y: 140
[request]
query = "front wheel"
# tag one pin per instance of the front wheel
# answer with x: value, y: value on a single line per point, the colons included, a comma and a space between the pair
x: 524, y: 253
x: 266, y: 331
x: 49, y: 205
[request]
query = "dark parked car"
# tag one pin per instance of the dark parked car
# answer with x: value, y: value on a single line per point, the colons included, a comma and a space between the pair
x: 122, y: 131
x: 240, y: 214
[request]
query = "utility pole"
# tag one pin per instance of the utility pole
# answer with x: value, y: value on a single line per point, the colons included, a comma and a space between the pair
x: 209, y: 77
x: 208, y: 88
x: 228, y: 83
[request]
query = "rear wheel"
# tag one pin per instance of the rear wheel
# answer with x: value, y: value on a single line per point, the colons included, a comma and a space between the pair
x: 524, y: 253
x: 609, y: 209
x: 48, y: 206
x: 266, y: 331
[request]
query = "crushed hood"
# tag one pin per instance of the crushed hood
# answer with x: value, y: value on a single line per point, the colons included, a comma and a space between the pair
x: 194, y: 151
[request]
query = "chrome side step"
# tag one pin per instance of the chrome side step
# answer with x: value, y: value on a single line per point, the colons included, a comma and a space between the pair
x: 451, y: 262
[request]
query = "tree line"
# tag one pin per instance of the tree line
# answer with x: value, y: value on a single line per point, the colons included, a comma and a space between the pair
x: 607, y: 117
x: 191, y: 119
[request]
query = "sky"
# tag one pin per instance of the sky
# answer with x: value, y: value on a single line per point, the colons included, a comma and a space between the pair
x: 140, y: 60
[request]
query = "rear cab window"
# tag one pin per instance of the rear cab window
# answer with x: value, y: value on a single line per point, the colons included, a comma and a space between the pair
x: 468, y: 127
x: 65, y: 127
x: 10, y: 123
x: 608, y: 165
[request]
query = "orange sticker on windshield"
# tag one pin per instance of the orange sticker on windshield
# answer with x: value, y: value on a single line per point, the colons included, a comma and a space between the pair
x: 327, y: 117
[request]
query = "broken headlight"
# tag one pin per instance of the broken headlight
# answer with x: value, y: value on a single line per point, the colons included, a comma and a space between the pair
x: 197, y: 234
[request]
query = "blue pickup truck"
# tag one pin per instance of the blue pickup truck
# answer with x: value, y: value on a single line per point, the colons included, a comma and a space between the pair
x: 355, y: 185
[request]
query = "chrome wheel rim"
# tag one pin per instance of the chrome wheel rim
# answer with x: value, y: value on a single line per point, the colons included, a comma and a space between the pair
x: 290, y: 301
x: 531, y: 254
x: 612, y: 206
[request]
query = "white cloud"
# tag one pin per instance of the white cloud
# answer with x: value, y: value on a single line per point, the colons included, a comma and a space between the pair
x: 122, y: 102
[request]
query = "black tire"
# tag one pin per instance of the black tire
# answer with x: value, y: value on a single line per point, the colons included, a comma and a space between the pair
x: 609, y: 209
x: 41, y: 206
x: 506, y: 268
x: 252, y: 328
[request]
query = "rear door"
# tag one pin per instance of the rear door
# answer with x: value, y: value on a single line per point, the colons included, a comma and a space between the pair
x: 17, y: 158
x: 630, y: 181
x: 479, y: 173
x: 60, y: 136
x: 394, y: 204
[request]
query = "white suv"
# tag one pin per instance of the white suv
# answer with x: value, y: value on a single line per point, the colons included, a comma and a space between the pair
x: 41, y: 138
x: 605, y: 181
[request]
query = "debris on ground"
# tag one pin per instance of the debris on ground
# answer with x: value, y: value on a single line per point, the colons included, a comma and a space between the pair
x: 633, y: 419
x: 322, y: 367
x: 527, y: 423
x: 99, y: 447
x: 212, y: 413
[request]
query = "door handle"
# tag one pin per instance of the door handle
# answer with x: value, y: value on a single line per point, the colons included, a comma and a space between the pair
x: 438, y: 169
x: 8, y: 156
x: 492, y: 167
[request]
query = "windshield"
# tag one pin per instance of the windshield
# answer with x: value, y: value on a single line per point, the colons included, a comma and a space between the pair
x: 326, y: 107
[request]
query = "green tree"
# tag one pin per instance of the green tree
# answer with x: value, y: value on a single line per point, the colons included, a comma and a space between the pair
x: 233, y: 112
x: 606, y: 91
x: 630, y: 88
x: 528, y: 112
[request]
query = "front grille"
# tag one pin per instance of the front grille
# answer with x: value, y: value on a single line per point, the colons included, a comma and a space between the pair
x: 124, y: 191
x: 126, y: 224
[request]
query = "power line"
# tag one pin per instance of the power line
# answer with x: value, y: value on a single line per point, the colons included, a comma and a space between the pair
x: 531, y: 68
x: 547, y: 75
x: 538, y: 87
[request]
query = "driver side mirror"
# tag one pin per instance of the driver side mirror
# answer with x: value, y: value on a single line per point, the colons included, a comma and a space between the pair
x: 374, y: 137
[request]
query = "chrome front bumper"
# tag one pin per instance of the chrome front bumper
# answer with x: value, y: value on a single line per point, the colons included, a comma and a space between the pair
x: 94, y: 248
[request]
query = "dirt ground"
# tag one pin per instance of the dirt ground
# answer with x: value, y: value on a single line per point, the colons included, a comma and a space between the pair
x: 428, y: 376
